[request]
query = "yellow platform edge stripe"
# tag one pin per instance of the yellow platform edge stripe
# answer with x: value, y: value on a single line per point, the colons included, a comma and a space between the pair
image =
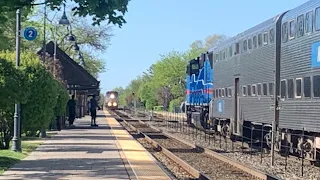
x: 133, y: 153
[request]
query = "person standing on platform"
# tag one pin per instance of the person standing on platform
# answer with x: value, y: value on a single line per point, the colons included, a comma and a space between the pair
x: 71, y: 110
x: 93, y: 110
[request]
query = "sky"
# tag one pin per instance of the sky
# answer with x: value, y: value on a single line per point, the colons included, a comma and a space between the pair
x: 157, y: 27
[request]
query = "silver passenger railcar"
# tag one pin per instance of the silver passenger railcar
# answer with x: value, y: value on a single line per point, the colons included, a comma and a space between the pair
x: 300, y: 77
x: 270, y: 73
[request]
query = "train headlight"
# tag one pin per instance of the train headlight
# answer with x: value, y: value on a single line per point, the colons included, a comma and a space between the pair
x: 109, y: 104
x: 112, y: 96
x: 115, y: 104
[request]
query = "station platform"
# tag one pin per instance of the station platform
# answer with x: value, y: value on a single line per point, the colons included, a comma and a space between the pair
x: 84, y: 152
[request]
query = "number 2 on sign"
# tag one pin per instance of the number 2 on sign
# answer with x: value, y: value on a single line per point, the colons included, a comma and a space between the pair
x: 30, y: 33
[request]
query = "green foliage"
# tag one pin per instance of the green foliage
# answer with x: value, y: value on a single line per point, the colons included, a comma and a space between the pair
x: 11, y: 91
x: 62, y: 100
x: 42, y: 97
x: 89, y: 37
x: 175, y: 103
x: 9, y: 158
x: 163, y: 84
x: 112, y: 11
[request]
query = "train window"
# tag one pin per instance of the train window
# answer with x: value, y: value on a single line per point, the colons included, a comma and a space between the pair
x: 214, y: 94
x: 316, y: 86
x: 307, y: 87
x: 254, y: 89
x: 220, y: 93
x: 317, y: 19
x: 224, y: 55
x: 217, y: 93
x: 300, y: 22
x: 236, y: 51
x: 226, y: 91
x: 254, y: 42
x: 259, y: 89
x: 292, y: 29
x: 260, y: 40
x: 271, y: 35
x: 283, y: 89
x: 244, y: 90
x: 245, y: 46
x: 271, y: 89
x: 230, y: 92
x: 265, y: 38
x: 220, y: 56
x: 265, y: 89
x: 249, y: 43
x: 285, y: 32
x: 230, y: 51
x: 249, y: 90
x: 309, y: 24
x: 298, y: 87
x: 290, y: 89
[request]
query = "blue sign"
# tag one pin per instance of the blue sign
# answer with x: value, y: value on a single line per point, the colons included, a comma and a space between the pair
x: 315, y: 55
x: 220, y: 106
x: 30, y: 33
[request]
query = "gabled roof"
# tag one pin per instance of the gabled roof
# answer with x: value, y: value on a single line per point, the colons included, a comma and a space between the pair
x: 73, y: 73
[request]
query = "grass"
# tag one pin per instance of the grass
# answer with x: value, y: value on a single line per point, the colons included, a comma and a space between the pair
x: 9, y: 158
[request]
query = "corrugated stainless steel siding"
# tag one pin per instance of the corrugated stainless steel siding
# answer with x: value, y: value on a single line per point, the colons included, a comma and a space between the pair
x: 256, y: 109
x: 296, y: 63
x: 257, y: 67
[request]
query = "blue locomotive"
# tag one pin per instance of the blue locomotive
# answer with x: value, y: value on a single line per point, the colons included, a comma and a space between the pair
x: 199, y: 87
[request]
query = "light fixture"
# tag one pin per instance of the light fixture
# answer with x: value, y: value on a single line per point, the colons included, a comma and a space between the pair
x: 76, y: 47
x: 71, y: 37
x: 64, y: 19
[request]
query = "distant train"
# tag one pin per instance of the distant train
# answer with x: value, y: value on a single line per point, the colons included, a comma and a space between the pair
x: 268, y: 75
x: 111, y: 100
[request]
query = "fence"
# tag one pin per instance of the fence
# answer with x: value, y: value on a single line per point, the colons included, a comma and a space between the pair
x: 250, y: 147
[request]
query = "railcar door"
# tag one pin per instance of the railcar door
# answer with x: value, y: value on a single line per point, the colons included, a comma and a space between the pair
x: 236, y: 120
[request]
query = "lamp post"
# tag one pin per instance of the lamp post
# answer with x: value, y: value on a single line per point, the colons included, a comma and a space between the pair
x: 63, y: 21
x: 16, y: 146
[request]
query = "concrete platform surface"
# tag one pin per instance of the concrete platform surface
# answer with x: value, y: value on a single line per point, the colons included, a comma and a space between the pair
x: 84, y: 152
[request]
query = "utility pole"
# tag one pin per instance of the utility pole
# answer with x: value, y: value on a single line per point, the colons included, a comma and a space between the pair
x: 276, y: 106
x: 43, y: 130
x: 16, y: 146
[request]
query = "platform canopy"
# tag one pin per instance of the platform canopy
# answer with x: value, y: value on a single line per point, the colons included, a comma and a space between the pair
x: 76, y: 76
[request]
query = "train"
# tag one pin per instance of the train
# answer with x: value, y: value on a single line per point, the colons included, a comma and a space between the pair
x: 267, y: 77
x: 111, y: 100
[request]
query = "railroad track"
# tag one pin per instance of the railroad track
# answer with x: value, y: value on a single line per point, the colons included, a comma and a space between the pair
x: 289, y: 167
x: 201, y: 163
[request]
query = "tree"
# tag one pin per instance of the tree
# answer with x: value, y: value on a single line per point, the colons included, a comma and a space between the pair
x: 12, y: 90
x: 8, y: 27
x: 41, y: 93
x: 88, y: 38
x: 110, y: 10
x: 164, y: 82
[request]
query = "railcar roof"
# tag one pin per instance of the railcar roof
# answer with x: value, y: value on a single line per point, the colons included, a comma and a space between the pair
x: 257, y: 28
x: 303, y: 8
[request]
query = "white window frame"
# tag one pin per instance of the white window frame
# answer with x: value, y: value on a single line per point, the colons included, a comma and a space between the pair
x: 295, y: 88
x: 222, y: 92
x: 265, y: 43
x: 252, y: 87
x: 261, y: 92
x: 286, y: 93
x: 230, y: 95
x: 289, y: 29
x: 245, y: 86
